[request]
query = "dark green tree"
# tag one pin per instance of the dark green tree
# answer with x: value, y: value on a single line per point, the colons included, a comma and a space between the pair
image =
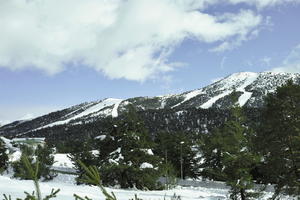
x: 228, y: 155
x: 43, y: 155
x: 86, y: 156
x: 3, y: 156
x: 174, y: 146
x: 279, y: 139
x: 125, y: 154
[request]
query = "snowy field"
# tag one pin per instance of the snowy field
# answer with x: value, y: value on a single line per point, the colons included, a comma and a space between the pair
x: 16, y: 188
x: 208, y: 190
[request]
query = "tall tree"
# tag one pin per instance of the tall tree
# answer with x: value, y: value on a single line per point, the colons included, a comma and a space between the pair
x: 3, y: 156
x: 86, y: 156
x: 178, y: 148
x: 279, y: 139
x: 125, y: 154
x: 228, y: 155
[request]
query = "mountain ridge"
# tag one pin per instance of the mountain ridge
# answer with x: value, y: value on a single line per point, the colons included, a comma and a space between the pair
x: 250, y: 88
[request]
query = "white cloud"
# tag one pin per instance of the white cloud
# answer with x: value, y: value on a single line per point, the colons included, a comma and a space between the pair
x: 122, y: 39
x: 291, y: 63
x: 260, y: 4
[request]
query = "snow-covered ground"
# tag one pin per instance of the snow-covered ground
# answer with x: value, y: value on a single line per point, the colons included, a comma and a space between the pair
x: 16, y: 189
x: 203, y: 191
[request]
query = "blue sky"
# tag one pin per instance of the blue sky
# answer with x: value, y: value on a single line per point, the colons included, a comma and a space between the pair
x: 58, y: 53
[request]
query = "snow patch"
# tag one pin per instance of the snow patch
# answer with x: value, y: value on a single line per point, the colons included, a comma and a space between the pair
x: 101, y: 137
x: 8, y: 143
x: 15, y: 156
x: 146, y: 165
x: 117, y: 159
x: 114, y: 112
x: 148, y: 151
x: 62, y: 160
x: 210, y: 102
x: 190, y: 95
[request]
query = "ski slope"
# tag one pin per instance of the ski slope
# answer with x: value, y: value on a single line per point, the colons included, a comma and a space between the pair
x: 93, y: 109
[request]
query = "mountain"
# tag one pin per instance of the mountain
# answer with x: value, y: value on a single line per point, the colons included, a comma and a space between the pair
x: 197, y: 110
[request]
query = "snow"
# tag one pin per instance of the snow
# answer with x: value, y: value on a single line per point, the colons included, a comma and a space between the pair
x: 114, y: 112
x: 244, y: 98
x: 15, y: 156
x: 227, y: 86
x: 204, y: 190
x: 190, y: 95
x: 95, y: 152
x: 16, y: 188
x: 118, y: 153
x: 210, y: 102
x: 146, y: 165
x: 246, y: 95
x: 100, y: 137
x: 95, y: 108
x: 8, y: 143
x: 148, y: 151
x: 42, y: 139
x: 62, y: 160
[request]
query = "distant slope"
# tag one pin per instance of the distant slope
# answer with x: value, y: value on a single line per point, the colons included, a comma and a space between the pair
x: 249, y: 88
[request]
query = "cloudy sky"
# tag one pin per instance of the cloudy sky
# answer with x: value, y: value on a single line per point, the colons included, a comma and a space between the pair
x: 57, y: 53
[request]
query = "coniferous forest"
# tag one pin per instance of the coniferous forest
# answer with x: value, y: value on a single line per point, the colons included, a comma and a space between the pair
x: 244, y: 153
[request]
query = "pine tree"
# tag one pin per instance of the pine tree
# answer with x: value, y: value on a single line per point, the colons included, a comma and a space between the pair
x: 3, y: 156
x: 228, y: 155
x: 42, y: 155
x: 126, y: 156
x: 85, y: 156
x: 45, y: 157
x: 279, y: 139
x: 18, y: 167
x: 174, y: 146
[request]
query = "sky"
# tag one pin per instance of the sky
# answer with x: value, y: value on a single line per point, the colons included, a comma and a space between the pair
x: 59, y: 53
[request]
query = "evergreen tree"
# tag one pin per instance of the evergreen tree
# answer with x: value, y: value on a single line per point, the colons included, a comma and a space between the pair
x: 279, y: 139
x: 45, y: 157
x: 42, y: 155
x: 3, y: 156
x: 228, y: 155
x: 18, y: 167
x: 176, y: 146
x: 125, y: 154
x: 85, y: 156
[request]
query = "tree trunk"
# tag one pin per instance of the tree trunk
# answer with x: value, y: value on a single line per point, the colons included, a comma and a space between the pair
x: 243, y: 197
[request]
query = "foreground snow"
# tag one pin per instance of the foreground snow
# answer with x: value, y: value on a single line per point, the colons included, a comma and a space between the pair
x: 207, y: 190
x: 16, y: 187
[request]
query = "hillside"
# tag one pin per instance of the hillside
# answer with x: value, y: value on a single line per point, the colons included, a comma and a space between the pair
x: 196, y: 110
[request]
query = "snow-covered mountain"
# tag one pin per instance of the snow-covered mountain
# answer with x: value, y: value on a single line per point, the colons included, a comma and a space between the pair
x: 249, y: 88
